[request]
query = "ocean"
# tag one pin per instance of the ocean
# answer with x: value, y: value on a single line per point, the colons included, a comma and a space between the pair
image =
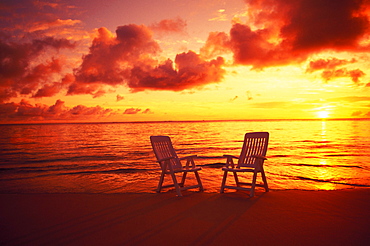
x: 117, y: 157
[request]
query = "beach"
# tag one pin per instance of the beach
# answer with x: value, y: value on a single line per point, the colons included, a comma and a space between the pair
x: 287, y: 217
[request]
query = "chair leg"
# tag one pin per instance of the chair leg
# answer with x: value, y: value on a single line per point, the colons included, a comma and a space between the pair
x: 177, y: 187
x: 159, y: 188
x: 223, y: 182
x: 199, y: 181
x: 264, y: 180
x: 236, y: 179
x: 183, y: 179
x: 253, y: 184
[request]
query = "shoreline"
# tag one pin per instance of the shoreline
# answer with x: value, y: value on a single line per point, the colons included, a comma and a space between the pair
x: 284, y: 217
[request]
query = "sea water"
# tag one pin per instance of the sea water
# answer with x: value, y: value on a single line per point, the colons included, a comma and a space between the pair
x: 117, y: 157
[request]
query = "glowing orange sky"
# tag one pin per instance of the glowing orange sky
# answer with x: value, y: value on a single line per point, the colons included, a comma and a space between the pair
x: 183, y: 60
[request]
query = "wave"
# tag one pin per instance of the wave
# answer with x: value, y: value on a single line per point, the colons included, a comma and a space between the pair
x: 83, y: 172
x: 323, y: 165
x: 331, y: 181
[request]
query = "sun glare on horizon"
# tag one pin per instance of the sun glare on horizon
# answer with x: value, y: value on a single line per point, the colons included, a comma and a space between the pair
x: 323, y: 114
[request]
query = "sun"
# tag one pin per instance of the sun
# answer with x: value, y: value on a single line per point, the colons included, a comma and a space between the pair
x: 323, y: 114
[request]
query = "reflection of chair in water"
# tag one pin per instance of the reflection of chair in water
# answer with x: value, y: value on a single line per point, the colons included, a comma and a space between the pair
x: 251, y: 160
x: 171, y: 164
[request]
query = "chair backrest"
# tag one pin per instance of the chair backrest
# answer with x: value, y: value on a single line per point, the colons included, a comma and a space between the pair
x: 255, y: 143
x: 162, y: 147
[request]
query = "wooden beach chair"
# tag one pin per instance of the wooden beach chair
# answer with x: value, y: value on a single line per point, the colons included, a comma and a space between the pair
x: 171, y: 165
x: 251, y: 160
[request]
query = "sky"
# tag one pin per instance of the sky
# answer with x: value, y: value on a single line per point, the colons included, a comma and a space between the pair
x: 175, y: 60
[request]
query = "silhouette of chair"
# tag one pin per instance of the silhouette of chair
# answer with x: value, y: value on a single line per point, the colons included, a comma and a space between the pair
x: 251, y: 160
x: 171, y: 164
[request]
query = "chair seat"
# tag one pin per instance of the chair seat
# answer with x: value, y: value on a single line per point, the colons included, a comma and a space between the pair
x: 229, y: 169
x: 185, y: 170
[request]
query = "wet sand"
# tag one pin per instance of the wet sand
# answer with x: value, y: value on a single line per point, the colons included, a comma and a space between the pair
x: 273, y: 218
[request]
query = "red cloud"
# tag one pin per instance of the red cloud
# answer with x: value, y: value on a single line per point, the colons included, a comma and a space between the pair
x: 19, y: 75
x: 191, y: 71
x: 24, y: 111
x: 109, y: 55
x: 284, y: 32
x: 327, y: 64
x: 354, y: 74
x: 124, y: 59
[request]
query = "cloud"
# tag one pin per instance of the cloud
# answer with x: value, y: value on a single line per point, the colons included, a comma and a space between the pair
x: 327, y: 64
x: 58, y: 23
x: 286, y: 32
x: 25, y: 111
x: 137, y: 110
x: 132, y: 111
x: 120, y: 98
x: 21, y: 73
x: 191, y: 71
x: 329, y: 69
x: 128, y: 58
x: 111, y: 56
x: 147, y: 111
x: 166, y: 26
x: 355, y: 75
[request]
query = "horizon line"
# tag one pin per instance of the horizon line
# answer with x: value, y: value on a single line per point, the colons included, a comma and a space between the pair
x: 171, y: 121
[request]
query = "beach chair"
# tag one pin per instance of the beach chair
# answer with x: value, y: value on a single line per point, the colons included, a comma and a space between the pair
x: 251, y: 160
x: 171, y: 165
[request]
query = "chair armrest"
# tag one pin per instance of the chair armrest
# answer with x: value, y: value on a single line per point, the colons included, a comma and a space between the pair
x: 189, y: 161
x: 187, y: 157
x: 229, y: 160
x: 259, y: 157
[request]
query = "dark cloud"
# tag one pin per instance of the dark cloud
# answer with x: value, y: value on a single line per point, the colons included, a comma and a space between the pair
x: 20, y: 73
x: 285, y: 32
